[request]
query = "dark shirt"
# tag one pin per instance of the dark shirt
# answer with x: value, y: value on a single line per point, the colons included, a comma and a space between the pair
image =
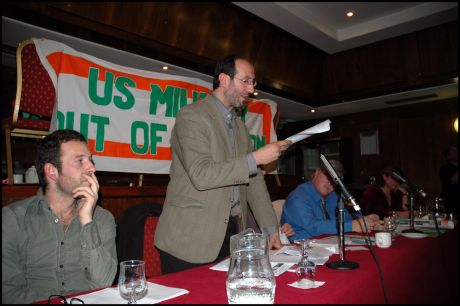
x: 449, y: 190
x: 374, y: 201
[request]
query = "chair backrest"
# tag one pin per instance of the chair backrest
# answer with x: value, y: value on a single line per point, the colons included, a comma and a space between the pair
x: 151, y: 255
x: 278, y: 207
x: 35, y: 92
x: 135, y: 231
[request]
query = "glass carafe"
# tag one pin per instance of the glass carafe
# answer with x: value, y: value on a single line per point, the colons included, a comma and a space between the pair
x: 250, y: 278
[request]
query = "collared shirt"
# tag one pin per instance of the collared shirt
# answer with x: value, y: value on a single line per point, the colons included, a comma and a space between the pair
x: 39, y: 259
x: 229, y: 122
x: 303, y: 210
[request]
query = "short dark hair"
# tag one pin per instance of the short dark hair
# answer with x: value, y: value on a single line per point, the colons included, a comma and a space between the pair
x: 225, y: 65
x: 49, y: 151
x: 388, y: 170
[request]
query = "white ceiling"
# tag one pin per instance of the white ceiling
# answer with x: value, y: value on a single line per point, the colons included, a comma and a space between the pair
x: 321, y: 24
x: 326, y: 26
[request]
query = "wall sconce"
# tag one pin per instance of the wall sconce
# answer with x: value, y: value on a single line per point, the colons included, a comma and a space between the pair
x: 456, y: 125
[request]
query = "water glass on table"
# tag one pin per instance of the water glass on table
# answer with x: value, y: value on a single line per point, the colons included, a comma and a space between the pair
x: 132, y: 284
x: 306, y: 269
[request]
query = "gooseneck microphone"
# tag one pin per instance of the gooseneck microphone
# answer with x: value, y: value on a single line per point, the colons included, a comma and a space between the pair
x: 347, y: 197
x: 411, y: 186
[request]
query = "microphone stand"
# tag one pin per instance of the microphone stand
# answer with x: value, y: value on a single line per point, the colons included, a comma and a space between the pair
x: 411, y: 214
x: 411, y: 190
x: 342, y: 264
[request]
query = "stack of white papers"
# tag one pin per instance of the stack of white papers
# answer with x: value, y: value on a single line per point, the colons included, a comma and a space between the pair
x: 277, y: 267
x: 156, y: 293
x: 291, y: 254
x: 424, y: 222
x: 331, y: 243
x: 319, y: 128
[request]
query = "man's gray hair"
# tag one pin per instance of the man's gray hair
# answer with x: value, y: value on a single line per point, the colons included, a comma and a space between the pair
x: 337, y: 165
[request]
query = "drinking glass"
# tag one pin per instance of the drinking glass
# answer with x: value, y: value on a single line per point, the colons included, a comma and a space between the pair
x: 389, y: 225
x: 438, y: 207
x: 131, y: 282
x: 306, y: 269
x: 420, y: 211
x: 394, y: 214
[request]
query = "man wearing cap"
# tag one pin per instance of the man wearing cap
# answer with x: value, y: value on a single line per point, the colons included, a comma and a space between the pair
x: 311, y: 207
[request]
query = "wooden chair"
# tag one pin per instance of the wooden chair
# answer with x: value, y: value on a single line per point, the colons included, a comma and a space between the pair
x: 34, y: 101
x: 278, y: 207
x: 135, y: 233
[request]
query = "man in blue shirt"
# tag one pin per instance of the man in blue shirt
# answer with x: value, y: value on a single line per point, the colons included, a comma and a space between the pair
x: 311, y: 207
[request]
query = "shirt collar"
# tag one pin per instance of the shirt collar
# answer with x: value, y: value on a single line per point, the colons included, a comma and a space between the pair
x: 228, y: 116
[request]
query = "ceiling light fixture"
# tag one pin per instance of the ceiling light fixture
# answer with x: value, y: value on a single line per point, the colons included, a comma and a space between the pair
x: 350, y: 14
x: 312, y: 110
x: 165, y: 67
x: 255, y: 93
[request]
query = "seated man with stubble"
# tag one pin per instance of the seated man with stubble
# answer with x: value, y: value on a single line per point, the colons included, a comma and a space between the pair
x: 59, y: 241
x: 311, y: 207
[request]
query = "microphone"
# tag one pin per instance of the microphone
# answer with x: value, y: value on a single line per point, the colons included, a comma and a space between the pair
x: 345, y: 194
x: 411, y: 186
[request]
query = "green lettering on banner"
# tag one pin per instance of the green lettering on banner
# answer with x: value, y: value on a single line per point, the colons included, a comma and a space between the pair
x: 158, y: 96
x: 154, y: 138
x: 92, y: 87
x: 84, y: 122
x: 100, y: 121
x: 68, y: 123
x: 198, y: 95
x: 121, y: 84
x: 243, y: 113
x: 180, y: 99
x: 257, y: 141
x: 145, y: 130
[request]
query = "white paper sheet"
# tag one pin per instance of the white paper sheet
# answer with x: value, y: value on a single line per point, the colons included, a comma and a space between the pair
x: 278, y: 267
x: 317, y: 129
x: 156, y: 293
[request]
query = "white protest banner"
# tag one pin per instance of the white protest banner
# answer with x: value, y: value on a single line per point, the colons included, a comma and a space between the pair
x: 128, y: 114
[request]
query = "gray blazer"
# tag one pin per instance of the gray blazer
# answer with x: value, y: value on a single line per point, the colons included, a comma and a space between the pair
x: 194, y: 220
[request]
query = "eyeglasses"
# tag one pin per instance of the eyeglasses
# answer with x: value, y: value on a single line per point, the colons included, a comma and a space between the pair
x: 247, y: 82
x: 63, y: 300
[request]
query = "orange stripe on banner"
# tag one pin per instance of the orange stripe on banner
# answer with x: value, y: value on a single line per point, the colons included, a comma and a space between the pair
x: 70, y: 64
x: 123, y: 150
x: 264, y: 109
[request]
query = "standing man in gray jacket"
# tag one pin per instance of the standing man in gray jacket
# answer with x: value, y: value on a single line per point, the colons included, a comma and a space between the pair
x: 59, y: 241
x: 214, y: 175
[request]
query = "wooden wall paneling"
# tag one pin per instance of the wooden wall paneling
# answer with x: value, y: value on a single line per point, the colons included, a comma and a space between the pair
x: 299, y: 72
x: 117, y: 198
x: 412, y: 137
x: 366, y: 70
x: 438, y: 49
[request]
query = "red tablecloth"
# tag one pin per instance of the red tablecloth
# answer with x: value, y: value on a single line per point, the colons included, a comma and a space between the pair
x: 414, y: 271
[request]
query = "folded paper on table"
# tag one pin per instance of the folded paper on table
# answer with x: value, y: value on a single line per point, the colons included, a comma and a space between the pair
x: 156, y: 293
x: 331, y: 243
x: 423, y: 222
x: 317, y: 129
x: 278, y: 267
x: 291, y: 254
x: 306, y: 284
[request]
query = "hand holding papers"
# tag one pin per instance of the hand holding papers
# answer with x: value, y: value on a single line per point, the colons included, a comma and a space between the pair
x: 319, y: 128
